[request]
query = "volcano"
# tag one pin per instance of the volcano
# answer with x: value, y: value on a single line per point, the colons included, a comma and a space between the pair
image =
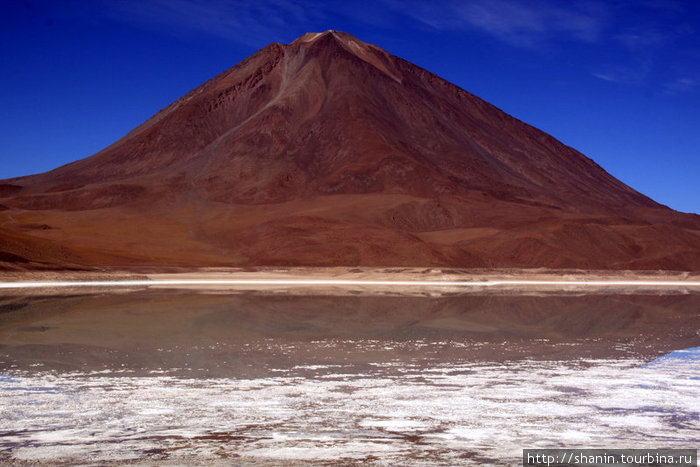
x: 329, y: 151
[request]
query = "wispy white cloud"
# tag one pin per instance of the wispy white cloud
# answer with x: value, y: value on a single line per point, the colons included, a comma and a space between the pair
x: 641, y: 40
x: 623, y: 74
x: 635, y: 76
x: 623, y: 42
x: 605, y: 76
x: 681, y: 86
x: 516, y: 22
x: 520, y: 23
x: 647, y: 44
x: 242, y: 21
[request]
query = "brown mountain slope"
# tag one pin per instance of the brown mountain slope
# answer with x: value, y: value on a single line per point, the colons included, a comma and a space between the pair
x: 330, y: 151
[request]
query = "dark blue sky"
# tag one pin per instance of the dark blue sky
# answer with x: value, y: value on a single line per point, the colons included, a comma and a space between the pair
x: 617, y: 80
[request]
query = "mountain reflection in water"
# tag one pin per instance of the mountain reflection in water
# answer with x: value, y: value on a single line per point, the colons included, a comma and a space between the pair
x: 173, y: 377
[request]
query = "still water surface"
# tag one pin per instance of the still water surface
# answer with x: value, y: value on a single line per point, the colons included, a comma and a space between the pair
x: 173, y: 378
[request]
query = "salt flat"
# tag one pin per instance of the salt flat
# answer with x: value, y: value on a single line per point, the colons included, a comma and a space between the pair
x: 462, y: 412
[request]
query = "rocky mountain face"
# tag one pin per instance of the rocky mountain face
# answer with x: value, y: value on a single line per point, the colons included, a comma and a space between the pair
x: 330, y: 151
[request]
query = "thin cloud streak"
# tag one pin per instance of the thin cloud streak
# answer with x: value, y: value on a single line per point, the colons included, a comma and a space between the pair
x: 548, y: 27
x: 681, y: 86
x: 605, y: 77
x: 515, y: 22
x: 248, y: 23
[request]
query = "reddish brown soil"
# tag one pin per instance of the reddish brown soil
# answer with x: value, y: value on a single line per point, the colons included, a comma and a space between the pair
x: 330, y: 151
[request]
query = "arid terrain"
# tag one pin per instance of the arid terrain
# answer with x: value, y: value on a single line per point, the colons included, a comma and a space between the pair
x: 329, y: 151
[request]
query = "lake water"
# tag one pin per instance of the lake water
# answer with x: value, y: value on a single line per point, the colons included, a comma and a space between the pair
x: 183, y: 378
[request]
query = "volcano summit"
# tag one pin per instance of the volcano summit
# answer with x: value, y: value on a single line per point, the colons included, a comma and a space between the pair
x: 330, y: 151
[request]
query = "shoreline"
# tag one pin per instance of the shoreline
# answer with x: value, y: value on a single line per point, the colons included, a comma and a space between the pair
x: 321, y: 282
x: 380, y: 279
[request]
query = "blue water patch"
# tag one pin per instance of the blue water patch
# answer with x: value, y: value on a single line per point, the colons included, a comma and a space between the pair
x: 13, y: 383
x: 7, y: 379
x: 687, y: 360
